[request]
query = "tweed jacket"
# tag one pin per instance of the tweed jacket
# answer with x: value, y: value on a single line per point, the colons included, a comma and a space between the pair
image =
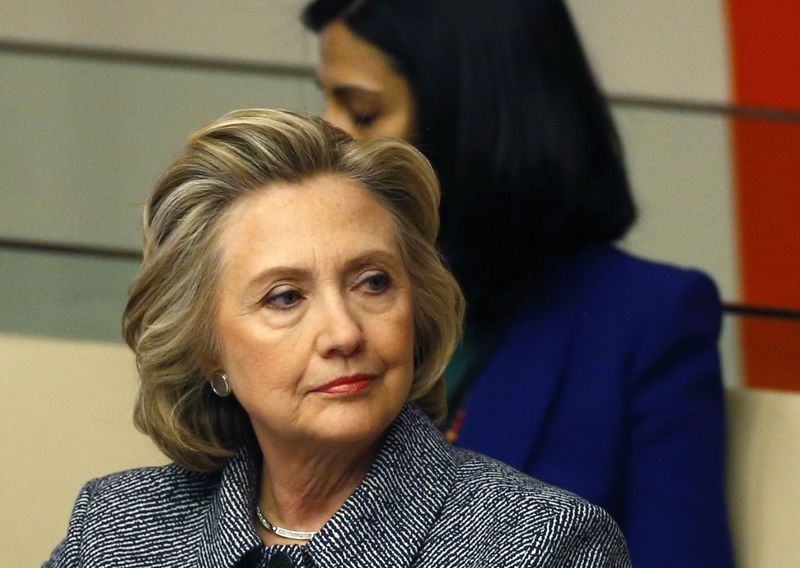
x: 423, y: 503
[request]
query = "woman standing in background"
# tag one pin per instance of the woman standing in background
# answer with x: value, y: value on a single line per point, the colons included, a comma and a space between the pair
x: 582, y: 365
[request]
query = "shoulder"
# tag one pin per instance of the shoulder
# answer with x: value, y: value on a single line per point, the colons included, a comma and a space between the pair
x: 541, y: 522
x: 486, y: 486
x: 608, y: 265
x: 645, y: 315
x: 148, y: 488
x: 615, y: 298
x: 615, y: 288
x: 664, y: 304
x: 111, y: 510
x: 146, y: 498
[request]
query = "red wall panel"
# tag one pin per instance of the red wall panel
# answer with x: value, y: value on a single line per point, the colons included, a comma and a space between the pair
x: 765, y: 47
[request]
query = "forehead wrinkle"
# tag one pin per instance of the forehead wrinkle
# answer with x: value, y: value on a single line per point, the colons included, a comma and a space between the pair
x: 357, y: 218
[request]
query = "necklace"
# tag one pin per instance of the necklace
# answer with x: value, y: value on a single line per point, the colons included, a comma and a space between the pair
x: 285, y: 533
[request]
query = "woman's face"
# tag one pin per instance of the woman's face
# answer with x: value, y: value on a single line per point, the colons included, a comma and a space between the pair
x: 315, y: 312
x: 364, y: 95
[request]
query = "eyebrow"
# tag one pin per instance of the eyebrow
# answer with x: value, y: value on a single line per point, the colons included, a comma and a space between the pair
x: 373, y: 256
x: 347, y: 91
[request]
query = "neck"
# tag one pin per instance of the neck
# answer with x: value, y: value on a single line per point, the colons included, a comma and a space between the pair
x: 302, y: 490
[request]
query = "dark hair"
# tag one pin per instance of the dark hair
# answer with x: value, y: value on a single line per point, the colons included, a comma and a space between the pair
x: 510, y: 116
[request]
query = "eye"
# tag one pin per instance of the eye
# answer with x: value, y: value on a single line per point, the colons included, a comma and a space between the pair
x: 375, y: 282
x: 365, y: 120
x: 363, y: 116
x: 283, y: 300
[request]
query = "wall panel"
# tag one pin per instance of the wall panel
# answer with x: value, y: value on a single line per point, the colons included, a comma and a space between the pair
x: 655, y: 49
x: 256, y: 31
x: 86, y: 139
x: 765, y: 45
x: 63, y: 295
x: 66, y: 420
x: 680, y: 170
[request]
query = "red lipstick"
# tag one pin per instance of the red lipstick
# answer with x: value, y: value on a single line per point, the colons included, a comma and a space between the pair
x: 347, y: 385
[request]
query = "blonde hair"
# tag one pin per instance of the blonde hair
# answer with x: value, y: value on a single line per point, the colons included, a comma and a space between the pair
x: 168, y: 322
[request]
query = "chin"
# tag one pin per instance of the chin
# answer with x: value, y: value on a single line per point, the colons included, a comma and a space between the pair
x: 357, y: 421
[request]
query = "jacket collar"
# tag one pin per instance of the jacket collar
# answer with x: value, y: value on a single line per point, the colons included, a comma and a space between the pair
x: 228, y: 532
x: 515, y: 390
x: 397, y: 503
x: 504, y: 396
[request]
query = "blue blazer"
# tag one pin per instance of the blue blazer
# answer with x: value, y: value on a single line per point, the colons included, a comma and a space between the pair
x: 608, y: 384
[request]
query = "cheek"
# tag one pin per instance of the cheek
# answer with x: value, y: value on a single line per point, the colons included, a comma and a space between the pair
x: 399, y: 125
x: 408, y: 119
x: 397, y: 338
x: 233, y: 344
x: 409, y: 126
x: 255, y: 359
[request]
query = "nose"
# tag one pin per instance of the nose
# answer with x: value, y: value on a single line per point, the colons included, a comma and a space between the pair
x: 340, y: 332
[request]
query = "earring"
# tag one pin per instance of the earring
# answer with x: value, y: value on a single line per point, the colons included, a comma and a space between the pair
x: 220, y: 385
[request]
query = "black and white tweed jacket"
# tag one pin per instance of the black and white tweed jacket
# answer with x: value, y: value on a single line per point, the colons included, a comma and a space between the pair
x: 423, y: 503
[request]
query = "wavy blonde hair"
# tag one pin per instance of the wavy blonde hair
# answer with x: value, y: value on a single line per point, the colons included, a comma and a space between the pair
x: 168, y: 321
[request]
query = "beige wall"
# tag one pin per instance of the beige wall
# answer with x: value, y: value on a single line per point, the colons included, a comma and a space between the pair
x: 85, y: 138
x: 656, y: 49
x: 255, y: 31
x: 763, y: 490
x: 681, y: 46
x: 65, y: 418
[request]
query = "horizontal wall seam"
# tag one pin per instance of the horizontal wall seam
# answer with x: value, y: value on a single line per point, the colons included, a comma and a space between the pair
x: 305, y: 71
x: 157, y: 59
x: 760, y: 311
x: 120, y: 253
x: 733, y: 110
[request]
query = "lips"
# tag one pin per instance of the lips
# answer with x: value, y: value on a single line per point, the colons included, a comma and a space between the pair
x: 347, y: 385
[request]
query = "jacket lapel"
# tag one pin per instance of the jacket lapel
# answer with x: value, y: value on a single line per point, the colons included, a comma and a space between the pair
x: 228, y: 532
x: 385, y: 522
x: 508, y: 404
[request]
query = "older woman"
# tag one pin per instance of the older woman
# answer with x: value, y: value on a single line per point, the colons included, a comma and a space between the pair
x: 291, y: 321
